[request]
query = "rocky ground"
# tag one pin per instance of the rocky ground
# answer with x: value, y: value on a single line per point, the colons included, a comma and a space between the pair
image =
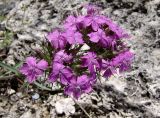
x: 135, y: 94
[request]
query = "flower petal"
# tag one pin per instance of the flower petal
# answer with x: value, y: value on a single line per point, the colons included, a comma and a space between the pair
x: 31, y: 78
x: 53, y: 77
x: 82, y: 80
x: 57, y: 39
x: 95, y: 26
x: 109, y: 72
x: 77, y: 93
x: 24, y: 69
x: 31, y: 61
x: 69, y: 90
x: 66, y: 75
x: 42, y: 64
x: 94, y: 37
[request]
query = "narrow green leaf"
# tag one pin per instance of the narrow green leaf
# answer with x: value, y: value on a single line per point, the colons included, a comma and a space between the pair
x: 42, y: 87
x: 16, y: 67
x: 18, y: 64
x: 10, y: 68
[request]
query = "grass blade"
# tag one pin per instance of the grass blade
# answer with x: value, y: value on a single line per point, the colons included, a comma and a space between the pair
x: 10, y: 68
x: 16, y: 67
x: 42, y: 87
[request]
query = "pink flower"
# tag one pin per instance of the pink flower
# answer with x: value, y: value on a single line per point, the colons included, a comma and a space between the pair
x: 32, y: 69
x: 101, y: 37
x: 92, y: 9
x: 59, y: 71
x: 74, y: 37
x: 98, y: 36
x: 62, y: 57
x: 123, y: 61
x: 108, y: 68
x: 57, y: 39
x: 73, y: 23
x: 116, y: 29
x: 94, y: 21
x: 78, y: 86
x: 90, y: 60
x: 87, y: 47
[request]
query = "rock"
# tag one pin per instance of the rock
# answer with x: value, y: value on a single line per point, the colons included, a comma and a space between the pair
x: 35, y: 96
x: 14, y: 98
x: 53, y: 113
x: 10, y: 91
x: 10, y: 60
x: 1, y: 33
x: 3, y: 102
x: 25, y: 37
x: 156, y: 53
x: 27, y: 114
x: 6, y: 6
x: 118, y: 82
x: 65, y: 106
x: 20, y: 94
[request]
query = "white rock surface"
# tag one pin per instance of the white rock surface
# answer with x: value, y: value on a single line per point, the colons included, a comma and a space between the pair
x: 65, y: 106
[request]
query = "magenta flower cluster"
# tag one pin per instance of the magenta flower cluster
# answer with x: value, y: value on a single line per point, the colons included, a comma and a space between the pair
x: 72, y: 66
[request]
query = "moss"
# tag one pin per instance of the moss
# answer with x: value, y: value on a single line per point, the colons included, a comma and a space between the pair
x: 2, y: 18
x: 7, y: 39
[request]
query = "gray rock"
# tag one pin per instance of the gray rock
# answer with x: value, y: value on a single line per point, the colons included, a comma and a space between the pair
x: 6, y: 6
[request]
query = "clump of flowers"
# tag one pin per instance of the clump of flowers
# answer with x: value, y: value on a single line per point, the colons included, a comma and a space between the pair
x: 68, y: 61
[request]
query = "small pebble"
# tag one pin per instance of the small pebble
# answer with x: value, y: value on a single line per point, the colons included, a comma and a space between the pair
x: 14, y: 98
x: 1, y: 33
x: 35, y: 96
x: 10, y: 91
